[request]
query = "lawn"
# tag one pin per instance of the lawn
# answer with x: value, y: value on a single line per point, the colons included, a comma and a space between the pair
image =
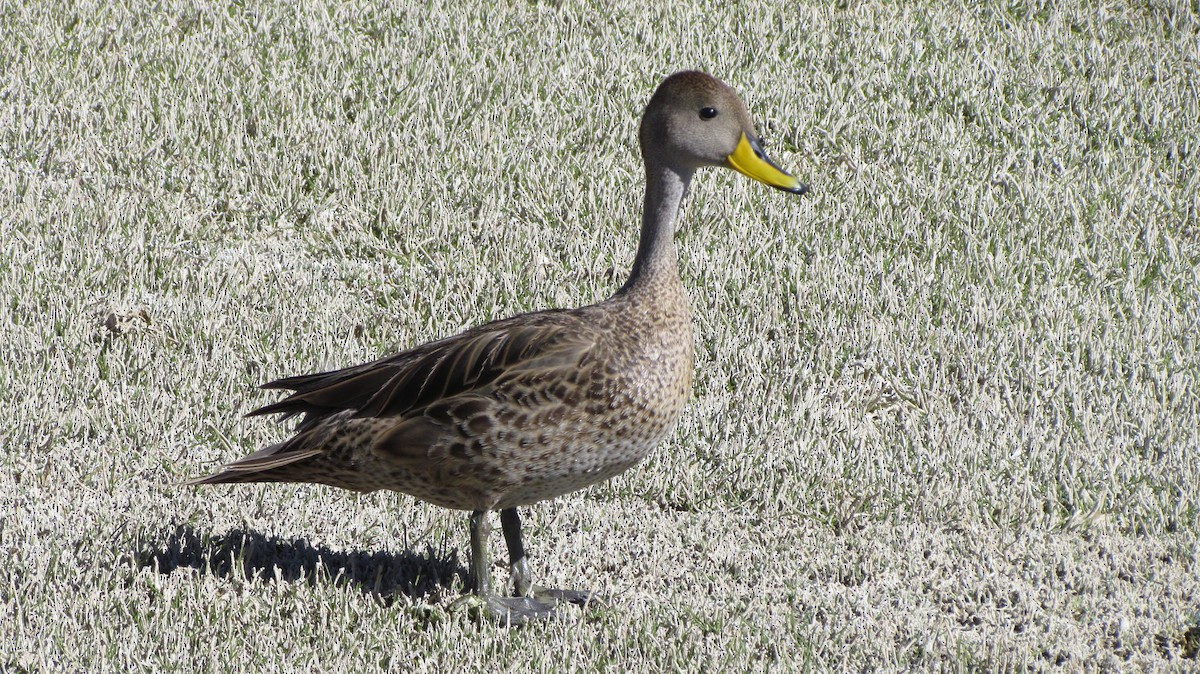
x: 946, y: 412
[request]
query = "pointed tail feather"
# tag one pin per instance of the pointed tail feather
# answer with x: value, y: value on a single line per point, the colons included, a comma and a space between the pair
x: 256, y: 467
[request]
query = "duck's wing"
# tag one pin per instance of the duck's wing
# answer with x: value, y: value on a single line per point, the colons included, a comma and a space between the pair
x: 414, y: 379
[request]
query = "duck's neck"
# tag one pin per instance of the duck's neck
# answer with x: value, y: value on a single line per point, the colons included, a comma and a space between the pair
x: 655, y: 261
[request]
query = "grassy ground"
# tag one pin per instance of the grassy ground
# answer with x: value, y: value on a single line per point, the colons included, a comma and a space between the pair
x: 946, y: 406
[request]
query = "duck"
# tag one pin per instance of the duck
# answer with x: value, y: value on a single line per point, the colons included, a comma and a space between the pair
x: 538, y: 405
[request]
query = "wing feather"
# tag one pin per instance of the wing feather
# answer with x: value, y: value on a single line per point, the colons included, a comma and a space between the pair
x: 411, y: 380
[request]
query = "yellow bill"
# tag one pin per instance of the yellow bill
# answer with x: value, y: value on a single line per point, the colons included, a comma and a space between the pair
x: 750, y: 159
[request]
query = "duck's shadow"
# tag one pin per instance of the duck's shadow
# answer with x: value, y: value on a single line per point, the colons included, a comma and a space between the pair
x: 249, y: 555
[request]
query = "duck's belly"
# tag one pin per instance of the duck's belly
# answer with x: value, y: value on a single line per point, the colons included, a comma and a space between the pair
x: 548, y: 464
x: 523, y: 457
x: 617, y: 416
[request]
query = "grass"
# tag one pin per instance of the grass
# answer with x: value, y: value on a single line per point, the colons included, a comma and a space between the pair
x: 945, y: 406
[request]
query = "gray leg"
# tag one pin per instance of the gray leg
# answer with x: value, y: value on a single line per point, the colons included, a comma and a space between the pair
x: 522, y: 579
x: 481, y: 574
x: 510, y: 522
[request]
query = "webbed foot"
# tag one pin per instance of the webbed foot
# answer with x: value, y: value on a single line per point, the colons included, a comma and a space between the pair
x: 577, y: 597
x: 506, y: 611
x: 518, y: 611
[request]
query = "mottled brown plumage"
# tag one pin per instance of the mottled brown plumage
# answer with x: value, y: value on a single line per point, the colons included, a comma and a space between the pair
x: 504, y: 415
x: 541, y: 404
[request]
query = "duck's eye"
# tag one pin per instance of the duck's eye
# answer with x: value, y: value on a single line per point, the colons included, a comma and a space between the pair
x: 708, y: 113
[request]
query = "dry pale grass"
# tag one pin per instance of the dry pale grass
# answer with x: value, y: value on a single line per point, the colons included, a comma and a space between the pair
x: 946, y: 406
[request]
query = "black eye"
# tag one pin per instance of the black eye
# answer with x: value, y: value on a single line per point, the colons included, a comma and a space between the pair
x: 708, y: 113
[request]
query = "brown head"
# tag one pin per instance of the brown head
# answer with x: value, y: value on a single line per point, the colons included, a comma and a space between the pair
x: 695, y: 120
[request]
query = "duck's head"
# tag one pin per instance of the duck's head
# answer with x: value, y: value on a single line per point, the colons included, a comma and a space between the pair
x: 693, y: 120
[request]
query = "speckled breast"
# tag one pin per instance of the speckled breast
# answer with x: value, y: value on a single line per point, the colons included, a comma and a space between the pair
x: 622, y: 406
